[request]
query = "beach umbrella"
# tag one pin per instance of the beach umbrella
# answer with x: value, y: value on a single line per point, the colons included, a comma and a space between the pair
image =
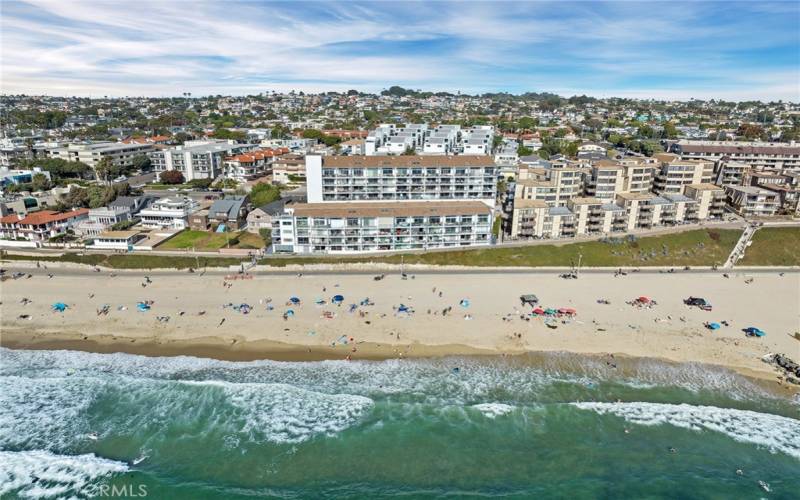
x: 550, y: 311
x: 402, y: 308
x: 289, y: 312
x: 464, y: 302
x: 567, y: 310
x: 753, y: 331
x: 714, y: 326
x: 59, y: 306
x: 337, y: 298
x: 644, y: 299
x: 142, y: 307
x: 294, y: 300
x: 538, y: 310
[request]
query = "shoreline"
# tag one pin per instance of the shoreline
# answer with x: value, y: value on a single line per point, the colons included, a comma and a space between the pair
x: 216, y: 348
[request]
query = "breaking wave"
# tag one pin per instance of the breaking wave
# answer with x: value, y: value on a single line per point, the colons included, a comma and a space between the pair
x: 774, y: 432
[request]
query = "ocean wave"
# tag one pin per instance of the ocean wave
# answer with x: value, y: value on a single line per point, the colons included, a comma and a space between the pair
x: 775, y: 432
x: 452, y: 380
x: 41, y: 474
x: 286, y: 414
x: 44, y: 413
x: 494, y: 410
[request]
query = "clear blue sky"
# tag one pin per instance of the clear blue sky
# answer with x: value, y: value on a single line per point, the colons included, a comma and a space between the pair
x: 728, y: 50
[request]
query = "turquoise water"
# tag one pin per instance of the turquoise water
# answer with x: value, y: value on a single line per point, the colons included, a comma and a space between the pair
x: 73, y: 424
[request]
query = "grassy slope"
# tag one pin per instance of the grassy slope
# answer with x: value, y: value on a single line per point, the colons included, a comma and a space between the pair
x: 693, y: 248
x: 773, y: 246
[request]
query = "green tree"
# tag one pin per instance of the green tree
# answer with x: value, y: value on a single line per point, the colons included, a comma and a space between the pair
x: 670, y: 131
x: 141, y: 162
x: 104, y: 169
x: 524, y: 151
x: 40, y: 182
x: 409, y: 151
x: 263, y: 193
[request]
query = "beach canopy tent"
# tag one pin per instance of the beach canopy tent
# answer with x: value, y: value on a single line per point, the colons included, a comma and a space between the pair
x: 567, y: 310
x: 550, y: 311
x: 141, y: 306
x: 752, y: 331
x: 538, y: 310
x: 529, y: 299
x: 337, y: 299
x: 60, y: 307
x: 644, y: 299
x: 713, y: 326
x: 294, y: 300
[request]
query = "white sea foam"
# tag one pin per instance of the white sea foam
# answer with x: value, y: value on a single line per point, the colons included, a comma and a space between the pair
x: 41, y: 474
x: 775, y: 432
x: 45, y: 412
x: 285, y: 414
x: 493, y: 410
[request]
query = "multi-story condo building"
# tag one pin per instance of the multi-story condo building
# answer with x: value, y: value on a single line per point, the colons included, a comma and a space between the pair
x: 596, y: 216
x: 730, y: 172
x: 644, y: 211
x: 169, y: 213
x: 91, y: 154
x: 606, y: 180
x: 638, y: 174
x: 710, y: 200
x: 751, y: 201
x: 758, y: 155
x: 197, y: 160
x: 675, y: 173
x: 401, y: 178
x: 556, y: 186
x: 381, y: 226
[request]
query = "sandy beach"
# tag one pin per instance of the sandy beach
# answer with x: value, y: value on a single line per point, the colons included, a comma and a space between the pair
x: 203, y: 322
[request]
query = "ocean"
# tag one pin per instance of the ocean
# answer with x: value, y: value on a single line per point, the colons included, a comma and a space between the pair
x: 81, y: 425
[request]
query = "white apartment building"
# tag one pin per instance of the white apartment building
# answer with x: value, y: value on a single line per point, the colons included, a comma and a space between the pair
x: 381, y: 226
x: 401, y: 178
x: 751, y: 201
x: 200, y: 160
x: 121, y: 154
x: 771, y: 156
x: 168, y: 213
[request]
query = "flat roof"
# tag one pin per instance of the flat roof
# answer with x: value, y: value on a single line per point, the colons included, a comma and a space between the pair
x: 390, y: 209
x: 118, y: 235
x: 705, y: 186
x: 560, y: 211
x: 586, y: 201
x: 407, y: 161
x: 636, y: 196
x: 525, y: 203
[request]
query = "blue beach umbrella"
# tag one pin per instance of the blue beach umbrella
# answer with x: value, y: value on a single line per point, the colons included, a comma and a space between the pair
x: 337, y: 299
x: 294, y: 300
x: 714, y: 326
x: 59, y: 306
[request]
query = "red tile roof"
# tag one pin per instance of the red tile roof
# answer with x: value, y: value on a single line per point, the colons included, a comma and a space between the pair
x: 48, y: 216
